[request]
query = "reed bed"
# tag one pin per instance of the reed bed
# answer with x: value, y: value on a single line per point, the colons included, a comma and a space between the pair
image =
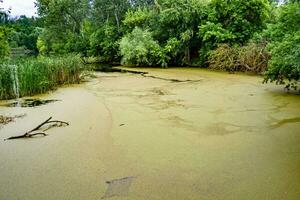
x: 30, y: 76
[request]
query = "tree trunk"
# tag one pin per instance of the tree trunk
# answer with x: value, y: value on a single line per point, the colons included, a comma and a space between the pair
x: 117, y: 19
x: 187, y: 55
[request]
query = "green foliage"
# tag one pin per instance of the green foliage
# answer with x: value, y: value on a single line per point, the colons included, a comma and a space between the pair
x: 4, y: 48
x: 286, y: 21
x: 284, y: 37
x: 104, y: 43
x: 213, y: 34
x: 233, y: 22
x: 222, y: 34
x: 172, y: 23
x: 142, y: 17
x: 169, y: 32
x: 24, y: 33
x: 182, y: 29
x: 64, y: 22
x: 285, y: 62
x: 139, y: 48
x: 172, y: 51
x: 42, y: 46
x: 241, y: 18
x: 39, y: 75
x: 199, y: 26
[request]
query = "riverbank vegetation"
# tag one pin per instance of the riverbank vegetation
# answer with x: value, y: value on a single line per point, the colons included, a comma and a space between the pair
x: 29, y: 76
x: 258, y: 36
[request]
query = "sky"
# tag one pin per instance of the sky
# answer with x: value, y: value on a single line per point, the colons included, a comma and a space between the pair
x: 20, y: 7
x: 24, y: 7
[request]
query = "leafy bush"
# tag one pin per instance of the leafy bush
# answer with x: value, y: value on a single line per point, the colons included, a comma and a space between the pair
x: 252, y: 57
x: 139, y: 48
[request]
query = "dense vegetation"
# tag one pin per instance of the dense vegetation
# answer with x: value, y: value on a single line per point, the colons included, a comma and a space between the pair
x: 19, y: 32
x: 260, y: 36
x: 284, y: 46
x: 23, y: 76
x: 31, y: 76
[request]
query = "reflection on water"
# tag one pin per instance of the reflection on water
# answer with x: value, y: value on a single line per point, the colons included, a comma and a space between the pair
x: 29, y: 103
x: 286, y: 121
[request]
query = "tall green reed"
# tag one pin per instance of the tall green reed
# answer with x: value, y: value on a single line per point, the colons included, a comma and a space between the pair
x: 39, y: 75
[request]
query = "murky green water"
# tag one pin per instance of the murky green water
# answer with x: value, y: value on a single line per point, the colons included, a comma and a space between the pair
x: 208, y: 136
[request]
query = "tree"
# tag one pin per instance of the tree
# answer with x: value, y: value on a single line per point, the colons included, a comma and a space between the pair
x: 233, y: 22
x: 4, y: 48
x: 172, y: 23
x: 104, y: 43
x: 24, y: 32
x: 284, y: 37
x: 64, y: 20
x: 110, y: 11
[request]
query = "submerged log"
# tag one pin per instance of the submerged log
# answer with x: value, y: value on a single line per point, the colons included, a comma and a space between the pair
x: 31, y: 133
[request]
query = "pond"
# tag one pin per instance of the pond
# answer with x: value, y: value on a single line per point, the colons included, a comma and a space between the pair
x: 174, y: 133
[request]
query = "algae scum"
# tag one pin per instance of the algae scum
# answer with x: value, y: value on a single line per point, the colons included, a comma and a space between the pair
x: 206, y: 136
x: 29, y: 102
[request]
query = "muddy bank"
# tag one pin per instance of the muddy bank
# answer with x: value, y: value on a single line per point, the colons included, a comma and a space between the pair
x: 216, y: 136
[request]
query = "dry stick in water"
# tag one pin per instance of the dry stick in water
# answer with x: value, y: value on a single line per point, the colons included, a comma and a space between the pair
x: 29, y: 133
x: 167, y: 79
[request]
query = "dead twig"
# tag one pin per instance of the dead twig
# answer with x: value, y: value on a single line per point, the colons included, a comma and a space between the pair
x: 30, y: 133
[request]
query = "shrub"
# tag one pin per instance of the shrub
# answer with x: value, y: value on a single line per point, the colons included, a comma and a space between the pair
x: 139, y: 48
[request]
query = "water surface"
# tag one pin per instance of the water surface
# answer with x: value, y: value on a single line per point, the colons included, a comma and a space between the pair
x: 207, y: 136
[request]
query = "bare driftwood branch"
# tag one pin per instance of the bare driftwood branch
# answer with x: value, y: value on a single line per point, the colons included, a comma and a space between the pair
x: 31, y: 133
x: 167, y: 79
x: 26, y: 136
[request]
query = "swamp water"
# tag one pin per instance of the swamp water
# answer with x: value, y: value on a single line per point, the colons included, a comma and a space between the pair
x: 216, y: 136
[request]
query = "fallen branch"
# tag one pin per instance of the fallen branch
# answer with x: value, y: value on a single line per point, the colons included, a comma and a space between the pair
x: 30, y: 133
x: 26, y: 135
x: 170, y: 79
